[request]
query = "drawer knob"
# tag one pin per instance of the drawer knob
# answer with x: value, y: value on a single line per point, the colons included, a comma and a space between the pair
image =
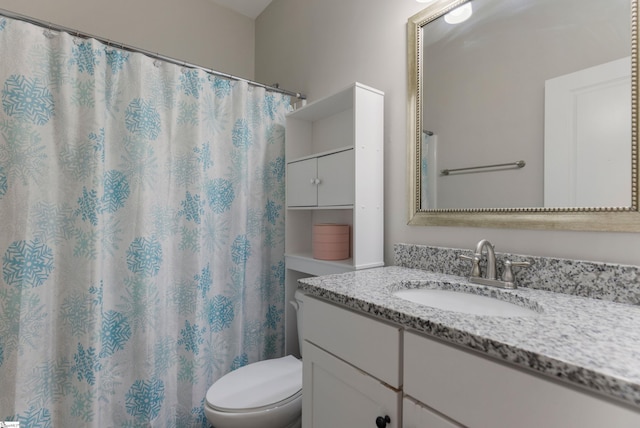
x: 382, y: 422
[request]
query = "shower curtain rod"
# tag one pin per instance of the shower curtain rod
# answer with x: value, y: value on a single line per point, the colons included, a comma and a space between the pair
x: 76, y: 33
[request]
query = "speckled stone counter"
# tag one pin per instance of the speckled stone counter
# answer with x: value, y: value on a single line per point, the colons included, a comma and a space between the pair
x: 591, y: 343
x: 605, y: 281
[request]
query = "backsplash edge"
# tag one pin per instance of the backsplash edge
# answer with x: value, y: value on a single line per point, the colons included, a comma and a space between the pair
x: 597, y: 280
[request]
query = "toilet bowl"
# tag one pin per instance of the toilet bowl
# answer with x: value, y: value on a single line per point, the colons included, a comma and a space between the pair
x: 265, y: 394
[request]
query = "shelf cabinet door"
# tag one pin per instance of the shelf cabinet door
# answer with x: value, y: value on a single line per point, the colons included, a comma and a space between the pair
x: 336, y: 394
x: 302, y: 190
x: 336, y: 173
x: 324, y: 181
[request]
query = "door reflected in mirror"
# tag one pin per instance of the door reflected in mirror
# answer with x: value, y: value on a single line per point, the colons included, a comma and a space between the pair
x: 526, y: 104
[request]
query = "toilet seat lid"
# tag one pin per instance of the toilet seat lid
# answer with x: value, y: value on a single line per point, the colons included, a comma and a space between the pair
x: 257, y: 385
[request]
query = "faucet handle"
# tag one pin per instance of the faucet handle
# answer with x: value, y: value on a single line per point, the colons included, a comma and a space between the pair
x: 507, y: 275
x: 475, y: 268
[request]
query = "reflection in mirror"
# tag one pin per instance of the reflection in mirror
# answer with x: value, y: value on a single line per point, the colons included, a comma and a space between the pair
x: 526, y: 106
x: 484, y: 101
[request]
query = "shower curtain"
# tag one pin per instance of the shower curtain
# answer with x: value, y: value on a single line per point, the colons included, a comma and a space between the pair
x: 141, y: 232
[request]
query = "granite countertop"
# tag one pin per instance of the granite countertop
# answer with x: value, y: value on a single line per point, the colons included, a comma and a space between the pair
x: 592, y: 343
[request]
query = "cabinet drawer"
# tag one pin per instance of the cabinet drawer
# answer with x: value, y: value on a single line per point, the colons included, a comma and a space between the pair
x: 415, y: 415
x: 480, y: 392
x: 371, y: 345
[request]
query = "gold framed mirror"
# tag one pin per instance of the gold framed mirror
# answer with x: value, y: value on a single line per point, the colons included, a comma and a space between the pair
x: 602, y: 200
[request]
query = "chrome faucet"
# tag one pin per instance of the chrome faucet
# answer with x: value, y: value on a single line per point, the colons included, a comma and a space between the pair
x: 491, y: 258
x: 490, y: 275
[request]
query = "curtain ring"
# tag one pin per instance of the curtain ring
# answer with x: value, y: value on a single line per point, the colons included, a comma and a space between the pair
x: 48, y: 33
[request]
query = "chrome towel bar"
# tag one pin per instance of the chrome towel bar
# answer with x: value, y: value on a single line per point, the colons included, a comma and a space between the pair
x: 518, y: 164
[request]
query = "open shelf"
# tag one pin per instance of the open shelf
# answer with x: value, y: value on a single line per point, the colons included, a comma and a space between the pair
x: 304, y: 262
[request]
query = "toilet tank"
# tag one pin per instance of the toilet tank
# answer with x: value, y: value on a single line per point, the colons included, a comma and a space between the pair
x: 297, y: 303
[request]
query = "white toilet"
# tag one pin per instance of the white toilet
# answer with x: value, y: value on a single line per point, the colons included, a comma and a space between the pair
x: 266, y: 394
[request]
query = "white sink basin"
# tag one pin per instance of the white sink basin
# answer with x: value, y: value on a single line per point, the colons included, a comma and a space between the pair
x: 467, y: 303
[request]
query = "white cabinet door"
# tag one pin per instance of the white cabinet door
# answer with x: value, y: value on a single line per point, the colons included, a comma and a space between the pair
x: 302, y: 190
x: 323, y: 181
x: 336, y: 394
x: 336, y: 175
x: 416, y: 415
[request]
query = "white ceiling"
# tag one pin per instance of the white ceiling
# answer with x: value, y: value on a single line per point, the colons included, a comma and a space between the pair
x: 250, y: 8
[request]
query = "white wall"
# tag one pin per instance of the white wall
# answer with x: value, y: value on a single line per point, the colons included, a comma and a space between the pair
x: 320, y: 46
x: 195, y: 31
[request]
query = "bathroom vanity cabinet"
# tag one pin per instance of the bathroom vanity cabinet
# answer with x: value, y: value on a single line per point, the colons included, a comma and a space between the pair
x: 351, y: 369
x: 358, y: 368
x: 334, y: 158
x: 481, y: 392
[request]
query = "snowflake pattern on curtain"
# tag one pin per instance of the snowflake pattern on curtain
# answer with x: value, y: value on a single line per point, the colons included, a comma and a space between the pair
x: 142, y: 233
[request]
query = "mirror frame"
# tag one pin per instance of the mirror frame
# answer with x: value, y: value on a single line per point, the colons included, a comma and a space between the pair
x: 612, y: 219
